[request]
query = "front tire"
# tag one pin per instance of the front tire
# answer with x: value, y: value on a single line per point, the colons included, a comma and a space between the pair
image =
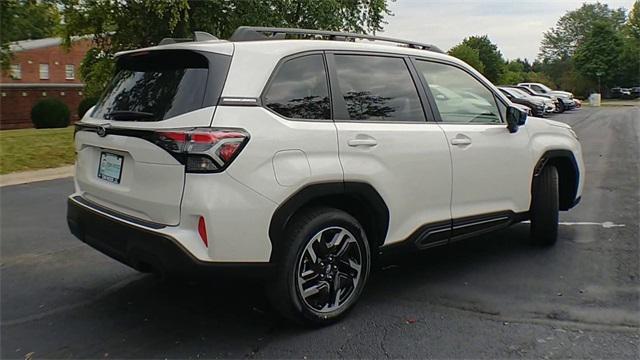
x: 322, y: 268
x: 545, y: 207
x: 561, y: 107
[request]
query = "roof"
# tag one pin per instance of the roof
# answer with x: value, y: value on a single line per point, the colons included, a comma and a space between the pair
x: 23, y: 45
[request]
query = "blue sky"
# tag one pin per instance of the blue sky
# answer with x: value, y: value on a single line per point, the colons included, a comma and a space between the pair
x: 516, y: 26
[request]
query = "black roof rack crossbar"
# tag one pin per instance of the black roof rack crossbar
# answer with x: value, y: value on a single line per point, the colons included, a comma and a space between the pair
x: 252, y: 33
x: 197, y: 36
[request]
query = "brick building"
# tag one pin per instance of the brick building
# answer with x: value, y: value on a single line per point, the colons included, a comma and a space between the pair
x: 40, y: 69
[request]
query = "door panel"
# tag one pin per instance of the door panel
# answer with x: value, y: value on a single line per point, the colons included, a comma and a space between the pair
x: 491, y: 166
x: 491, y: 169
x: 385, y: 140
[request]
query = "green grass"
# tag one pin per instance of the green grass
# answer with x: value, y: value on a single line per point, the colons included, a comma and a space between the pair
x: 31, y: 149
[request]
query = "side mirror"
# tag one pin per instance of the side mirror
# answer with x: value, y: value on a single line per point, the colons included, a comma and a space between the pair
x: 515, y: 118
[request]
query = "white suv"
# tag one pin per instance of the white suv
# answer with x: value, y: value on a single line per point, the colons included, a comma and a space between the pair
x: 301, y: 159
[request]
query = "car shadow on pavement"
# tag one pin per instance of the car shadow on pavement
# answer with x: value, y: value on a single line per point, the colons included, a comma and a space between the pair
x: 152, y: 317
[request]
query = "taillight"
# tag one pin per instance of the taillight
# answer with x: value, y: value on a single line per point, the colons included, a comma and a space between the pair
x: 203, y: 149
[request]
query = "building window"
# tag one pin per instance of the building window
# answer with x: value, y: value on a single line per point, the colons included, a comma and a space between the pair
x: 44, y: 71
x: 16, y: 72
x: 69, y: 72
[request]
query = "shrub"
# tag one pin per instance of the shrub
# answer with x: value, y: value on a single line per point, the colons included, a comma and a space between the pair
x: 50, y: 113
x: 85, y: 105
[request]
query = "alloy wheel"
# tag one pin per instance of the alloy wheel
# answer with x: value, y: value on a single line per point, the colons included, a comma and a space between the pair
x: 329, y: 269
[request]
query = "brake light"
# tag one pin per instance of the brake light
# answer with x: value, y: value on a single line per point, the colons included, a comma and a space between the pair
x: 203, y: 149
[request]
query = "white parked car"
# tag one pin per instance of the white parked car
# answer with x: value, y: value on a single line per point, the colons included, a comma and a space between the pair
x: 302, y: 159
x: 565, y: 98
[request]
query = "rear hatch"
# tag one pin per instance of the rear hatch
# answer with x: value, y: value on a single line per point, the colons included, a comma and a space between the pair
x: 128, y: 158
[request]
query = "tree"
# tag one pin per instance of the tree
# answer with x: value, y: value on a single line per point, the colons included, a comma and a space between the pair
x: 469, y: 55
x: 489, y: 56
x: 25, y: 19
x: 598, y: 56
x: 633, y: 22
x: 629, y: 74
x: 121, y: 25
x: 561, y: 41
x: 513, y: 72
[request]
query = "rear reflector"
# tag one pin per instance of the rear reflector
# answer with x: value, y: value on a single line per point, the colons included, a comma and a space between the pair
x: 202, y: 230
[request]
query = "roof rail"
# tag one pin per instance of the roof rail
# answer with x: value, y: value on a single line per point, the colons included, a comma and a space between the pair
x: 252, y: 33
x: 197, y: 36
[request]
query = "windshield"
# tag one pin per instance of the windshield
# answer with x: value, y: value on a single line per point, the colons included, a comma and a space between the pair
x: 153, y: 86
x: 513, y: 92
x: 546, y: 88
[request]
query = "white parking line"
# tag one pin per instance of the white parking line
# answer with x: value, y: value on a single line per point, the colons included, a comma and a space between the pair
x: 606, y: 224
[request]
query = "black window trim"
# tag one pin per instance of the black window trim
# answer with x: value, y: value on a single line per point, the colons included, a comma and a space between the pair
x: 425, y: 84
x: 341, y: 115
x: 274, y: 73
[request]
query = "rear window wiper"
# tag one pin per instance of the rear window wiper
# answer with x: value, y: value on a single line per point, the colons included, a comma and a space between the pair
x: 130, y: 115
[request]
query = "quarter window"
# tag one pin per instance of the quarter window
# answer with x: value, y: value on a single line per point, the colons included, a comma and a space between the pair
x: 378, y: 88
x: 299, y: 89
x: 459, y: 96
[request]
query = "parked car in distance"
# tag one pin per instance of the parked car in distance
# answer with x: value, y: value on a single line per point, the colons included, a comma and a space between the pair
x: 524, y: 108
x: 556, y: 101
x: 300, y: 160
x: 537, y: 106
x: 565, y: 97
x: 624, y: 93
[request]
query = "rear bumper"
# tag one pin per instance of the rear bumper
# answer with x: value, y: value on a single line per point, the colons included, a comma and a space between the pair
x: 144, y: 249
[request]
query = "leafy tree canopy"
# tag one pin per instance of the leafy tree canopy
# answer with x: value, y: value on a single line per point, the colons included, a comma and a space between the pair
x: 469, y: 55
x: 488, y: 53
x: 119, y: 25
x: 25, y: 19
x: 598, y: 56
x: 561, y: 41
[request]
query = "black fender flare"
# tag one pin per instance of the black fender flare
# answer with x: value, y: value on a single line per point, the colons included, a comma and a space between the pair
x: 565, y: 162
x: 356, y: 192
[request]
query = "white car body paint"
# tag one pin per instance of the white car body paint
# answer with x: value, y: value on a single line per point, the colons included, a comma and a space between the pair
x: 421, y: 176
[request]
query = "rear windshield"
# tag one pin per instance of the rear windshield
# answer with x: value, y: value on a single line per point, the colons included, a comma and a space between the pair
x: 157, y: 85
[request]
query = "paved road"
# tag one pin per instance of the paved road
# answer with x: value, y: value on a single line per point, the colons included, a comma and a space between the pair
x: 489, y: 297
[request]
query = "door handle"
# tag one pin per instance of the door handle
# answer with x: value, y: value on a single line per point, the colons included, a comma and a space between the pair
x: 362, y: 142
x: 461, y: 140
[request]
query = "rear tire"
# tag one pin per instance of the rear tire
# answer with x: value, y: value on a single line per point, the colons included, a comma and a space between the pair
x: 322, y: 267
x: 545, y: 207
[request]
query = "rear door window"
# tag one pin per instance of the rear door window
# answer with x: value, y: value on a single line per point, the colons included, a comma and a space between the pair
x: 378, y: 88
x: 299, y: 89
x: 158, y: 85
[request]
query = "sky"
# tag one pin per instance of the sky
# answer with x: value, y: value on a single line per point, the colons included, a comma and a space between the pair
x: 516, y: 26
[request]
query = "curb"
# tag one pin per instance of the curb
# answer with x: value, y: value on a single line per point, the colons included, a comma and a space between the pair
x: 25, y: 177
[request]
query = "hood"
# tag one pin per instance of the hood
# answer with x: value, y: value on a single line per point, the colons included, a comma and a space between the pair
x: 562, y: 93
x: 556, y: 123
x: 542, y: 99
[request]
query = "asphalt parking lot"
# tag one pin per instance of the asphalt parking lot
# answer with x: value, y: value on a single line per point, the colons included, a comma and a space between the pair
x: 489, y: 297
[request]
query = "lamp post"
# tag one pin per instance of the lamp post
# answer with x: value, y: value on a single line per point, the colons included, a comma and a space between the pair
x: 599, y: 74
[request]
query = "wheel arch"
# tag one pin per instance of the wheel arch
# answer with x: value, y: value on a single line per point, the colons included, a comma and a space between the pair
x: 360, y: 200
x: 568, y: 175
